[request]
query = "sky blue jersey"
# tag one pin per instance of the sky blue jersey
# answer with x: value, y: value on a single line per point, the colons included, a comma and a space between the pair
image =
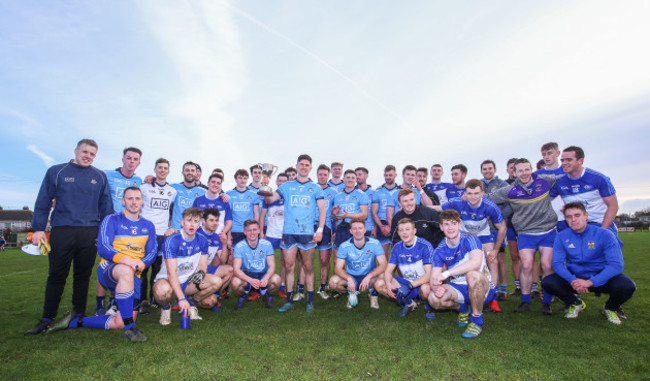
x: 118, y: 183
x: 300, y: 211
x: 476, y: 220
x: 242, y: 207
x: 396, y: 198
x: 351, y: 202
x: 328, y: 195
x: 339, y: 187
x: 383, y: 197
x: 184, y: 199
x: 254, y: 258
x: 360, y: 261
x: 370, y: 223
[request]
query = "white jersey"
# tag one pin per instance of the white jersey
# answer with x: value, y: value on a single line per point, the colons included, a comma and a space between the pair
x: 157, y: 203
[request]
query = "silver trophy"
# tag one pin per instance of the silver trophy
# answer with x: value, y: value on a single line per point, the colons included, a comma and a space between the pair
x: 268, y: 170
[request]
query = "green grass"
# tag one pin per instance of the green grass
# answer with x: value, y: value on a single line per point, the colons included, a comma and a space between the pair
x: 331, y: 343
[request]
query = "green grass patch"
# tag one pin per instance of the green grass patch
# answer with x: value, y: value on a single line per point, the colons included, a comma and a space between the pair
x: 331, y: 343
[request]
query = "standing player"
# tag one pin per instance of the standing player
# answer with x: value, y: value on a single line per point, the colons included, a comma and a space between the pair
x: 184, y: 271
x: 186, y: 193
x: 158, y: 197
x: 274, y: 213
x: 215, y: 198
x: 325, y: 245
x: 534, y: 220
x: 127, y: 245
x: 457, y: 188
x: 469, y: 286
x: 550, y: 155
x: 119, y: 179
x: 511, y: 235
x: 199, y: 172
x: 421, y: 176
x: 349, y: 203
x: 413, y: 256
x: 436, y: 185
x: 362, y: 185
x: 409, y: 181
x: 476, y: 212
x: 355, y: 268
x: 381, y: 200
x: 298, y: 236
x: 254, y: 266
x: 593, y: 189
x: 337, y: 171
x: 83, y: 199
x: 243, y: 204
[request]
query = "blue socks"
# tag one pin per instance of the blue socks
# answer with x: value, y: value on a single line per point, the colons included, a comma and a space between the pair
x: 124, y: 302
x: 547, y: 298
x: 290, y: 297
x: 477, y: 319
x: 525, y: 298
x: 310, y: 297
x: 373, y: 292
x: 322, y: 287
x: 301, y: 288
x: 100, y: 322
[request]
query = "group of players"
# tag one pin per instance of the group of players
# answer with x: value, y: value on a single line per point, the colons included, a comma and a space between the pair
x: 438, y: 244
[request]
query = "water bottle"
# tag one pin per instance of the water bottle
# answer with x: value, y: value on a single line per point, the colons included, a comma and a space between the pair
x: 185, y: 320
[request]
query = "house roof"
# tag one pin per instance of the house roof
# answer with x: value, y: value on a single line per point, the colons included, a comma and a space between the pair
x: 16, y: 215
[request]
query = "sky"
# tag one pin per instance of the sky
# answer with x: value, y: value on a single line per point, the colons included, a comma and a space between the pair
x: 233, y: 83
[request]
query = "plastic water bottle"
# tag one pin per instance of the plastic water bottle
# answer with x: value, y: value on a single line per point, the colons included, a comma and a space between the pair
x: 185, y: 320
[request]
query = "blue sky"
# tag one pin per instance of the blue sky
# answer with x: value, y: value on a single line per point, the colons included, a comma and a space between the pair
x: 232, y: 83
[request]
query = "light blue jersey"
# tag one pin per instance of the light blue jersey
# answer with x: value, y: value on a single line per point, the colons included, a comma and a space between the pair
x: 328, y: 195
x: 253, y: 258
x: 351, y: 202
x: 411, y: 260
x: 384, y: 198
x: 452, y: 256
x: 396, y: 205
x: 370, y: 223
x: 242, y: 207
x: 118, y: 183
x: 299, y: 206
x: 476, y: 220
x: 184, y: 199
x: 339, y: 187
x: 360, y: 261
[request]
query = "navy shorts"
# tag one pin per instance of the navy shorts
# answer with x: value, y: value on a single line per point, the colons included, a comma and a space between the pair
x: 326, y: 242
x: 303, y: 241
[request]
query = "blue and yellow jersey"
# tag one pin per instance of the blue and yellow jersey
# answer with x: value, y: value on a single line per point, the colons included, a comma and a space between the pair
x: 120, y: 236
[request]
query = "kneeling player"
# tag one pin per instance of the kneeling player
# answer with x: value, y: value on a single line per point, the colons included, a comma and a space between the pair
x: 413, y: 256
x: 183, y: 272
x: 127, y: 245
x: 469, y: 284
x: 217, y: 257
x: 355, y: 265
x: 254, y: 266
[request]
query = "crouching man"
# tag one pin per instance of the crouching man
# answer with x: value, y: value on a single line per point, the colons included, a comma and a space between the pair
x: 469, y: 286
x: 127, y: 245
x: 254, y: 266
x: 588, y: 258
x: 183, y: 273
x: 355, y: 267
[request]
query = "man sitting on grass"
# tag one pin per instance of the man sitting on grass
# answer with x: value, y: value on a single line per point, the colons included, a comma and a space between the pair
x: 469, y: 286
x: 183, y: 273
x: 355, y: 265
x: 413, y: 256
x: 588, y: 258
x: 127, y: 245
x: 254, y: 266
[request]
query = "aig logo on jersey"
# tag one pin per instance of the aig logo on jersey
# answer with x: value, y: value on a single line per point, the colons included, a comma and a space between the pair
x: 299, y: 200
x: 159, y: 203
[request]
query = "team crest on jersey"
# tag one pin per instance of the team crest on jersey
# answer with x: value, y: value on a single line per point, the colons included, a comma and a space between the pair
x: 262, y: 253
x: 248, y: 197
x: 425, y: 225
x: 134, y: 247
x: 134, y: 230
x: 162, y: 191
x: 571, y: 245
x: 591, y: 245
x: 93, y: 181
x: 310, y: 190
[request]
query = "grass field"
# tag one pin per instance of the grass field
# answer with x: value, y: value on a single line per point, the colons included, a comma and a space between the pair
x: 331, y: 343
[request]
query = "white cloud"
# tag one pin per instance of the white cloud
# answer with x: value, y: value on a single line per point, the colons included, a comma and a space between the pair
x: 48, y: 160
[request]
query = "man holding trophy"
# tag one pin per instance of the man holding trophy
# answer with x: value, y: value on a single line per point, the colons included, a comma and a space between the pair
x: 298, y: 238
